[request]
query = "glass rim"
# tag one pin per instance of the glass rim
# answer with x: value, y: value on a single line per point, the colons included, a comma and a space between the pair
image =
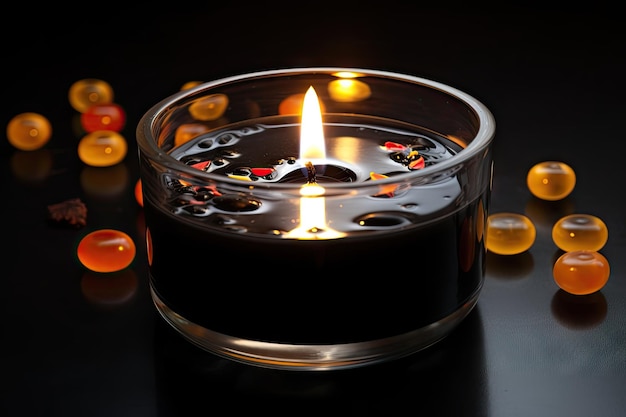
x: 484, y: 136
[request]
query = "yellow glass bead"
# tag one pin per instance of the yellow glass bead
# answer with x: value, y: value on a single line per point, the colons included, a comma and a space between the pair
x: 211, y: 107
x: 580, y: 232
x: 581, y: 272
x: 102, y: 148
x: 29, y: 131
x: 551, y: 180
x: 85, y: 93
x: 348, y: 90
x: 509, y: 233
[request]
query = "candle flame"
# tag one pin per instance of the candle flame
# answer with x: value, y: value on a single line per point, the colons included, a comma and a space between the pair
x: 311, y: 130
x: 313, y: 224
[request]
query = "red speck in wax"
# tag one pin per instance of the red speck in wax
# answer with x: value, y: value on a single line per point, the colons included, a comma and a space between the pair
x: 393, y: 146
x: 261, y: 172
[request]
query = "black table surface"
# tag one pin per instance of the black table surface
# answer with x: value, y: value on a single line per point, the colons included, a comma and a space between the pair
x: 73, y: 346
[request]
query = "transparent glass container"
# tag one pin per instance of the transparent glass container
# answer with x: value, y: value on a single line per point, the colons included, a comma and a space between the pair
x: 384, y: 259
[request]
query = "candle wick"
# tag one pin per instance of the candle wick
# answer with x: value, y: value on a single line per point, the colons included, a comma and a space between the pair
x: 311, y: 175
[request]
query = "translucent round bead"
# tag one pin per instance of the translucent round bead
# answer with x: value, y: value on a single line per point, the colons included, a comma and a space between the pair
x: 348, y: 90
x: 551, y: 180
x: 581, y: 272
x: 509, y: 233
x: 211, y: 107
x: 580, y: 232
x: 106, y: 250
x: 107, y: 116
x: 102, y: 148
x: 292, y: 104
x: 29, y: 131
x: 186, y: 132
x: 89, y: 91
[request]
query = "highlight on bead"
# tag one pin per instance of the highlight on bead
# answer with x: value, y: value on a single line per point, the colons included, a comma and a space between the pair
x: 581, y: 272
x: 89, y: 91
x: 29, y: 131
x: 551, y: 180
x: 509, y: 233
x: 106, y: 250
x: 580, y: 232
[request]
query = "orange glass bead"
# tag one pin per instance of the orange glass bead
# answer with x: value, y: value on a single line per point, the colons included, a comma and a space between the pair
x: 106, y: 116
x: 293, y: 105
x: 580, y: 232
x: 186, y: 132
x: 581, y: 272
x: 102, y: 148
x: 106, y: 250
x: 190, y: 84
x: 509, y: 233
x: 551, y: 180
x: 211, y: 107
x: 89, y: 91
x: 348, y: 90
x: 29, y: 131
x: 138, y: 193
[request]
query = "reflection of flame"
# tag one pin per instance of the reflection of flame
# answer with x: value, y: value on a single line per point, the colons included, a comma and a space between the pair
x: 313, y: 215
x: 312, y: 203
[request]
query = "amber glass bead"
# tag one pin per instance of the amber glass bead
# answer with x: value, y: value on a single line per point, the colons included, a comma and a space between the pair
x: 210, y: 107
x: 106, y: 116
x: 29, y: 131
x: 106, y: 250
x: 102, y: 148
x: 348, y: 90
x: 509, y: 233
x: 186, y: 132
x: 551, y: 180
x: 581, y: 272
x: 190, y: 84
x: 85, y: 93
x: 580, y: 232
x: 292, y: 105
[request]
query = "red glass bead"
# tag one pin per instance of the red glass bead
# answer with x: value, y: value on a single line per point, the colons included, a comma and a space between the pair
x: 104, y: 116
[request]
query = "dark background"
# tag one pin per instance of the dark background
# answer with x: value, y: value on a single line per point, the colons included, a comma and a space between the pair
x: 74, y: 345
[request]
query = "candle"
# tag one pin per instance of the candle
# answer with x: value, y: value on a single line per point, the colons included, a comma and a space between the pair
x: 343, y: 232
